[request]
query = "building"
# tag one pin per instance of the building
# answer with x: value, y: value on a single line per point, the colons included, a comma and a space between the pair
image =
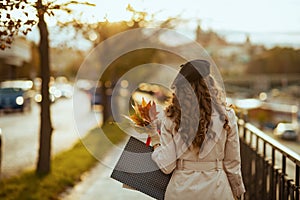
x: 14, y: 58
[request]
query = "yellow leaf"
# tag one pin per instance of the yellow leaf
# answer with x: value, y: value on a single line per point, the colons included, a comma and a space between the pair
x: 144, y: 104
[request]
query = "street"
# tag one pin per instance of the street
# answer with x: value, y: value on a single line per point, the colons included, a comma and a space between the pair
x: 293, y: 145
x: 20, y: 132
x: 97, y: 184
x: 71, y: 119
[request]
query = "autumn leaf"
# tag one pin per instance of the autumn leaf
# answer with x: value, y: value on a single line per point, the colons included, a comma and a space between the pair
x: 144, y: 110
x: 144, y: 104
x: 2, y: 46
x: 139, y: 120
x: 144, y: 113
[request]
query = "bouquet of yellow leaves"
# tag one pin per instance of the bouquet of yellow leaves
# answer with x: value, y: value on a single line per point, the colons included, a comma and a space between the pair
x: 144, y: 114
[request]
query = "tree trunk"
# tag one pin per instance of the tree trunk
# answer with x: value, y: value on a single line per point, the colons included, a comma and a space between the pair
x: 43, y: 165
x: 107, y: 113
x: 105, y: 90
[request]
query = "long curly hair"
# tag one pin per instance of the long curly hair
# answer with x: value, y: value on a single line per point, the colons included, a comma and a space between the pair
x: 207, y: 100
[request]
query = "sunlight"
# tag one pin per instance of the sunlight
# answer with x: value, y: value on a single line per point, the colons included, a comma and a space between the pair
x: 105, y: 10
x: 232, y: 19
x: 247, y: 103
x: 216, y: 14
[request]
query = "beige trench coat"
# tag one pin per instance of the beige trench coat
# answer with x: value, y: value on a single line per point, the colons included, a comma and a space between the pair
x: 214, y: 173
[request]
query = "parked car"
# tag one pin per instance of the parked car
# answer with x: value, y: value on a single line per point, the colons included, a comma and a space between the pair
x: 38, y: 97
x: 288, y: 131
x: 63, y: 90
x: 14, y: 99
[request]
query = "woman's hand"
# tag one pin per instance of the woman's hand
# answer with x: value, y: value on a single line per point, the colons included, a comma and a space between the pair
x: 153, y: 132
x: 238, y: 197
x: 156, y: 145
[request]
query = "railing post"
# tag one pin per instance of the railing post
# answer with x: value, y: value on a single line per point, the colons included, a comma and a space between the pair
x: 297, y: 182
x: 282, y: 178
x: 264, y: 178
x: 265, y: 172
x: 273, y: 176
x: 0, y: 150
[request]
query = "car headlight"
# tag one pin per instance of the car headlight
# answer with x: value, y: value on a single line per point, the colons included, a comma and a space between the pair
x: 38, y: 98
x: 19, y: 100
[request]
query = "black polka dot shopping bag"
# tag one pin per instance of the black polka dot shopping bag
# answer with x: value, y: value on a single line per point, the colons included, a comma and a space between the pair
x: 136, y: 169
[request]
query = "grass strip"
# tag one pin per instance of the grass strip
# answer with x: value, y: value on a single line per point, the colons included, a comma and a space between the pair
x: 66, y: 167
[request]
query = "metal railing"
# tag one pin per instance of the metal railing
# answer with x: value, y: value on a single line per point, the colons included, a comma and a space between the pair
x: 0, y: 150
x: 270, y: 170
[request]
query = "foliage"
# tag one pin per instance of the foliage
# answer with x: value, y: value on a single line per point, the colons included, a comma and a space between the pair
x: 11, y: 25
x: 67, y: 169
x: 143, y: 114
x: 101, y: 31
x: 276, y: 60
x: 19, y: 16
x: 15, y: 18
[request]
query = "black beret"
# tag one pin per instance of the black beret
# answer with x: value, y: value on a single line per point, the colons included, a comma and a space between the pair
x: 192, y: 71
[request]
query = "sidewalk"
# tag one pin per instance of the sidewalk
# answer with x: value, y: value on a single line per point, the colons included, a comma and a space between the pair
x: 97, y: 184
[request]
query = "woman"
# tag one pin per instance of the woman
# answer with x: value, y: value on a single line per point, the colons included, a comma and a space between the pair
x: 199, y: 142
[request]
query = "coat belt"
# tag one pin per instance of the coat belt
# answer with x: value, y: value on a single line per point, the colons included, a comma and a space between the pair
x: 199, y: 165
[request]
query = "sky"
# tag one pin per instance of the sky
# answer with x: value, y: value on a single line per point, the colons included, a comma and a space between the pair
x: 269, y: 22
x: 239, y: 15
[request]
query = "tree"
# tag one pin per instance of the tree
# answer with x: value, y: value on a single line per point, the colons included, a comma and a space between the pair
x: 16, y: 17
x: 276, y: 60
x: 43, y: 164
x: 30, y: 14
x: 104, y: 30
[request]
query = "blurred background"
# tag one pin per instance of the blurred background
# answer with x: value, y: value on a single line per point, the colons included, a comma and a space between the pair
x: 255, y: 44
